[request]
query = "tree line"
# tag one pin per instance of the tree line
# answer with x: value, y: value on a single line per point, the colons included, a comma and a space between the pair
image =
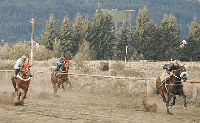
x: 98, y: 39
x: 15, y: 15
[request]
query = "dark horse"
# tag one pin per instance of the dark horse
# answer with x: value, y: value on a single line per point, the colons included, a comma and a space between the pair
x: 58, y: 78
x: 172, y: 86
x: 21, y: 84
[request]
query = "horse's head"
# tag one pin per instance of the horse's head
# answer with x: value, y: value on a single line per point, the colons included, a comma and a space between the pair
x: 65, y: 66
x: 181, y: 74
x: 184, y: 74
x: 25, y: 70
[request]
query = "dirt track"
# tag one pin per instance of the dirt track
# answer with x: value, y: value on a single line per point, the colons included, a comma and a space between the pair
x: 96, y: 101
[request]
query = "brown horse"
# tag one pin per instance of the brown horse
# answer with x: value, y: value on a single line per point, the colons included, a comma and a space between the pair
x: 21, y: 84
x: 58, y: 78
x: 172, y: 86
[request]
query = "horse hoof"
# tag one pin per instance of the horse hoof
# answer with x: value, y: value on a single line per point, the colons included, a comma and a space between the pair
x: 16, y: 103
x: 169, y: 113
x: 22, y: 102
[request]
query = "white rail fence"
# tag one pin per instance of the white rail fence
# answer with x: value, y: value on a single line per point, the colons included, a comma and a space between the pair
x: 85, y: 78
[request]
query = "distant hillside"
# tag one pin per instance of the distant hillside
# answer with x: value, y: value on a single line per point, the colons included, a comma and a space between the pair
x: 15, y: 14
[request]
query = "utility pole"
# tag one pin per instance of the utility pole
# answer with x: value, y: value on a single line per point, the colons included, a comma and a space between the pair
x: 126, y: 53
x: 32, y: 38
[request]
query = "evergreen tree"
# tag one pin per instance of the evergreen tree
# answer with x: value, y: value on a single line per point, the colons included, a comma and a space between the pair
x: 123, y: 42
x: 50, y: 33
x: 65, y: 38
x: 108, y: 37
x: 191, y: 49
x: 144, y: 34
x: 83, y: 52
x: 169, y: 38
x: 101, y: 36
x: 78, y: 33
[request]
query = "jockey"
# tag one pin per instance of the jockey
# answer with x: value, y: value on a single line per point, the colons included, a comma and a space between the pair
x: 59, y: 63
x: 172, y: 68
x: 18, y: 65
x: 29, y: 72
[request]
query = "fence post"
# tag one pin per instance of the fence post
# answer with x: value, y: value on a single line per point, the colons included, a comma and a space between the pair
x: 194, y: 91
x: 96, y: 80
x: 83, y: 81
x: 45, y: 79
x: 147, y: 87
x: 34, y: 75
x: 112, y: 82
x: 130, y: 85
x: 6, y: 75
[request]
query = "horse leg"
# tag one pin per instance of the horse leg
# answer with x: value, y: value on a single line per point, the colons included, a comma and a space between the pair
x: 167, y: 102
x: 16, y: 101
x: 162, y: 94
x: 167, y: 105
x: 182, y: 94
x: 17, y: 97
x: 69, y: 83
x: 18, y: 93
x: 58, y: 84
x: 184, y: 100
x: 185, y: 103
x: 164, y: 99
x: 54, y: 87
x: 24, y: 94
x: 63, y: 87
x: 14, y: 83
x: 54, y: 81
x: 174, y: 100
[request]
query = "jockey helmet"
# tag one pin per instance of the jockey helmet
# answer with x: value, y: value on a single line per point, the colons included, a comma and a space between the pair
x: 176, y: 63
x: 62, y: 58
x: 24, y: 57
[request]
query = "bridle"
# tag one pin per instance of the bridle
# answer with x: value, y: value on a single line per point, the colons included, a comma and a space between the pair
x: 64, y: 68
x: 24, y: 72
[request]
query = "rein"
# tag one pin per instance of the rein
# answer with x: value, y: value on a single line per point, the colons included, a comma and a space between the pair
x: 65, y: 64
x: 25, y: 68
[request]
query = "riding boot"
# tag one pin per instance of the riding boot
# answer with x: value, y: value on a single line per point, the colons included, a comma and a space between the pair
x: 16, y: 72
x: 56, y: 70
x: 30, y: 74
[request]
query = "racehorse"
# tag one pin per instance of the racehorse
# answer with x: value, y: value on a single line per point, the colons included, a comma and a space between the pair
x: 21, y: 84
x: 60, y: 77
x: 172, y: 86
